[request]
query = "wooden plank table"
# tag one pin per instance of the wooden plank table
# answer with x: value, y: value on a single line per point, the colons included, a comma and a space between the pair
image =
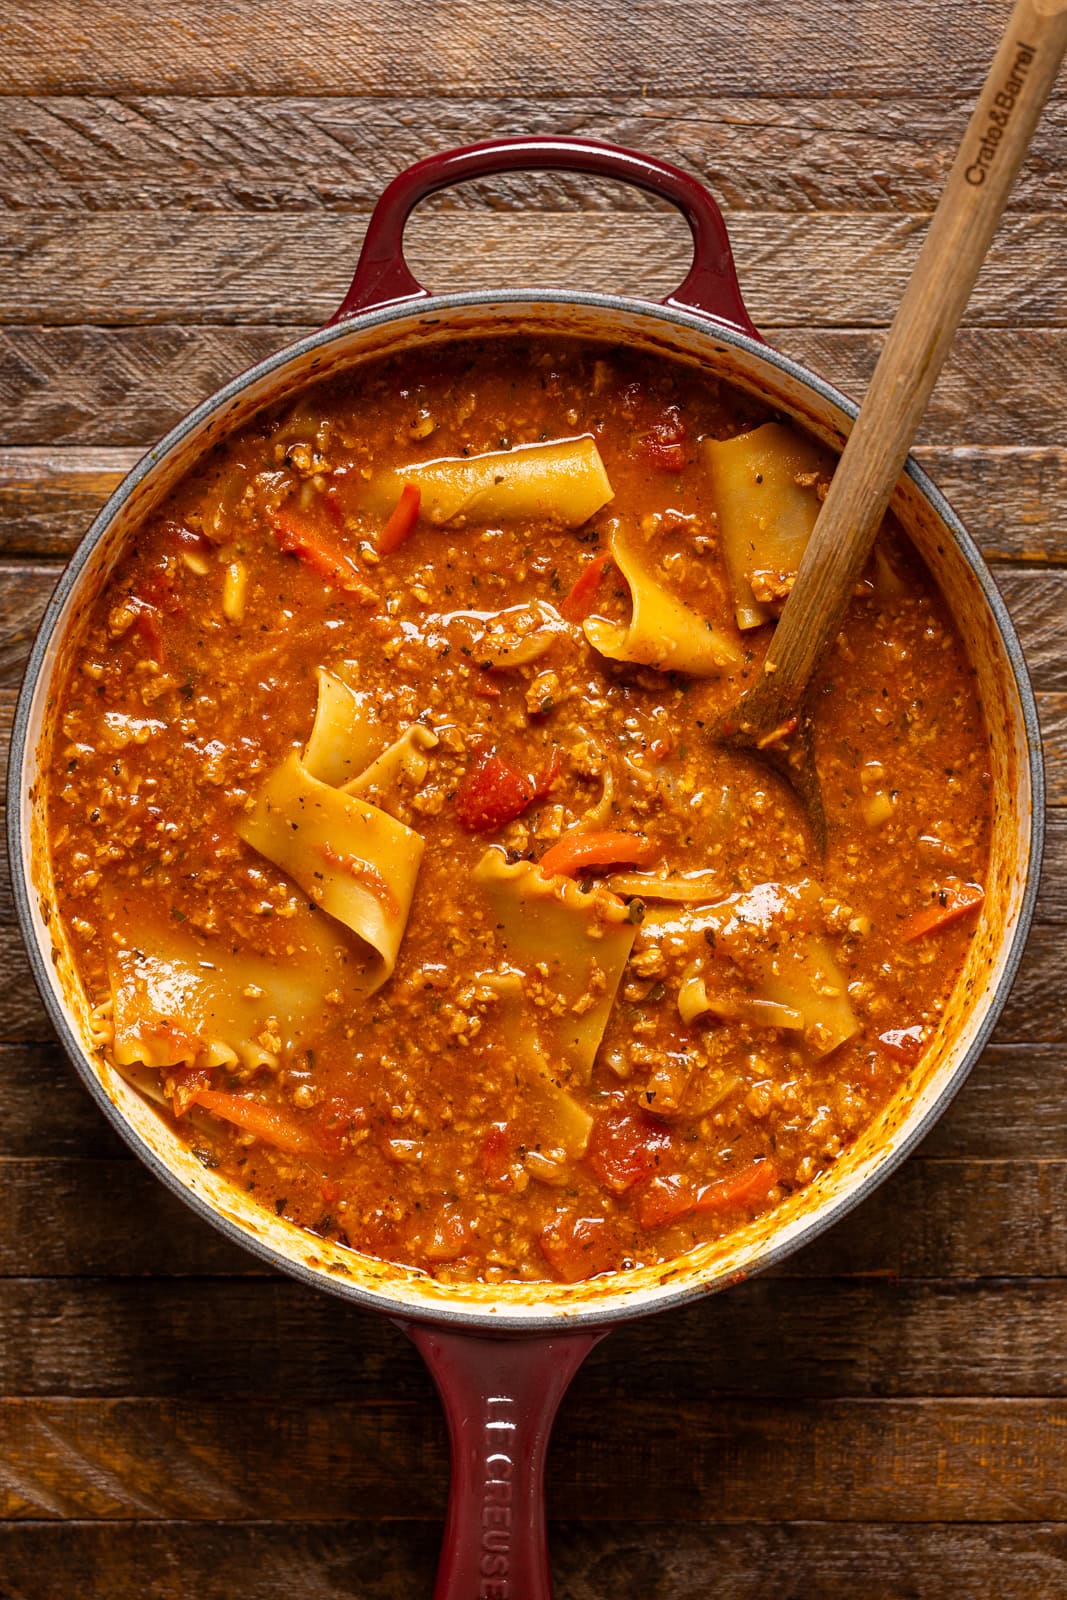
x: 183, y: 187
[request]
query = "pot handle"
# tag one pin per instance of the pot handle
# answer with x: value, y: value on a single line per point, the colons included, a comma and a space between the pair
x: 500, y: 1397
x: 383, y: 277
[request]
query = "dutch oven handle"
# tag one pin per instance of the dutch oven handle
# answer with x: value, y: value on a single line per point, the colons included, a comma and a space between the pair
x: 500, y: 1396
x: 383, y: 277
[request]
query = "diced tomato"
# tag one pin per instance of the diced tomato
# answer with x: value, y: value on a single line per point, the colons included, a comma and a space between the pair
x: 496, y: 1156
x: 626, y: 1146
x: 663, y: 1200
x: 665, y: 442
x: 954, y: 899
x: 486, y: 689
x: 577, y: 1247
x: 580, y: 601
x: 331, y: 1191
x: 333, y: 1120
x: 492, y: 793
x: 402, y: 521
x: 904, y: 1043
x: 148, y: 627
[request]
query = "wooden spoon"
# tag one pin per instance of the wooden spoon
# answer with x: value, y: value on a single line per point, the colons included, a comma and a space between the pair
x: 771, y: 720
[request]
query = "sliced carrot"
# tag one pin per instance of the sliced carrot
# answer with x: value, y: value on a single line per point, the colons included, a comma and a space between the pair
x: 954, y: 899
x: 295, y: 538
x: 668, y: 1199
x: 578, y: 603
x: 402, y: 519
x: 752, y: 1183
x: 579, y: 852
x: 269, y: 1124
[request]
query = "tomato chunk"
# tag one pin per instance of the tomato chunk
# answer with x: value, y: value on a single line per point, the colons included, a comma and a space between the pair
x: 492, y: 793
x: 577, y: 1247
x: 580, y: 601
x: 626, y: 1146
x: 665, y: 442
x: 904, y: 1043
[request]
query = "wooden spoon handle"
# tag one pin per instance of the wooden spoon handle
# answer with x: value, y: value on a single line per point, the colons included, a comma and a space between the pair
x: 963, y: 225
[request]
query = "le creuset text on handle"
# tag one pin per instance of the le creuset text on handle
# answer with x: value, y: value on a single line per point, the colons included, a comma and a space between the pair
x: 500, y: 1396
x: 383, y: 277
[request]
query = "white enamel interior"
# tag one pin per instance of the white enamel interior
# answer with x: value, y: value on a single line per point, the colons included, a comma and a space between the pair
x: 993, y: 953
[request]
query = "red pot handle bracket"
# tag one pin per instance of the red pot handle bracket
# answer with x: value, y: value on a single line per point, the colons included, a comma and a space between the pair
x: 500, y: 1396
x: 383, y: 277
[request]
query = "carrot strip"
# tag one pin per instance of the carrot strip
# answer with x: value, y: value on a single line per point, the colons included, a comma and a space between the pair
x: 269, y: 1124
x: 402, y: 519
x: 955, y: 899
x: 578, y: 852
x: 578, y: 603
x: 669, y: 1198
x: 751, y: 1184
x: 296, y: 539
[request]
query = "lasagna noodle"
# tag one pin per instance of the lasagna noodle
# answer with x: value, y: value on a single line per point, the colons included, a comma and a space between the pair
x: 178, y: 998
x: 562, y: 481
x: 351, y: 858
x: 346, y: 734
x: 770, y: 935
x: 663, y: 632
x: 571, y: 948
x: 766, y: 497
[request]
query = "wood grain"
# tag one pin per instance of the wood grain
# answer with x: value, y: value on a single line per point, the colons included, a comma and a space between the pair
x: 233, y: 1339
x: 124, y: 387
x: 280, y: 269
x: 746, y: 1460
x: 221, y: 154
x: 668, y: 1561
x: 500, y: 47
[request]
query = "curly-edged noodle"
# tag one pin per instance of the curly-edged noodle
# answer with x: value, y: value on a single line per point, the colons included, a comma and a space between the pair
x: 405, y: 757
x: 765, y: 490
x: 571, y: 948
x: 771, y: 936
x: 346, y: 734
x: 562, y: 481
x: 177, y: 997
x: 663, y: 632
x: 351, y: 858
x: 556, y: 1120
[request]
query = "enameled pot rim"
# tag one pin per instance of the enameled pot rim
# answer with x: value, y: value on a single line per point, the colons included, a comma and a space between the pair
x: 642, y: 1301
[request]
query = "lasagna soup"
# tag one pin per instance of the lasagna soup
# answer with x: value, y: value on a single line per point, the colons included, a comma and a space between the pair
x: 396, y: 858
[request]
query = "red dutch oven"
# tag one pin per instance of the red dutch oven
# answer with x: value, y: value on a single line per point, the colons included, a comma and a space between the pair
x: 502, y: 1356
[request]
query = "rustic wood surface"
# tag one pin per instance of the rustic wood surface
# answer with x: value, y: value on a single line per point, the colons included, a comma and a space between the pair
x: 183, y: 188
